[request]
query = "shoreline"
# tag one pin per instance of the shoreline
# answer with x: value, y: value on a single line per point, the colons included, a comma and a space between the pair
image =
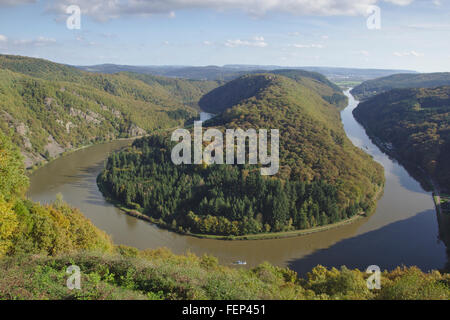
x: 259, y: 236
x: 419, y: 174
x: 30, y: 170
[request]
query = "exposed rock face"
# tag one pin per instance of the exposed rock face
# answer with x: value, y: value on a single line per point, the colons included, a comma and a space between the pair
x: 136, y: 131
x: 22, y: 129
x: 69, y: 125
x: 31, y: 159
x: 89, y: 116
x: 54, y: 148
x: 48, y: 101
x: 116, y: 113
x: 27, y: 143
x: 7, y: 116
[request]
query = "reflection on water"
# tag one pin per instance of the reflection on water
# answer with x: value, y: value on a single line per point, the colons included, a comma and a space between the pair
x: 396, y: 244
x: 403, y: 230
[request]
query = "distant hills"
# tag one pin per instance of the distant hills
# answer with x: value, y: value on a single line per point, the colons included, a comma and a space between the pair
x: 229, y: 72
x: 373, y: 87
x: 413, y: 124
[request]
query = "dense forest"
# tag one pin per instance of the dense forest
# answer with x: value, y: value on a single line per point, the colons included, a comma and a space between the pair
x: 322, y: 179
x: 51, y: 108
x: 371, y: 88
x: 415, y: 125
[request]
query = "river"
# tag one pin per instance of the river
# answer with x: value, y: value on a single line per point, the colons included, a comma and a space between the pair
x: 402, y: 231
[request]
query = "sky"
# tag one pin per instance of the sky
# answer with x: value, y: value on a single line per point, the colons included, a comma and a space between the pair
x: 407, y: 34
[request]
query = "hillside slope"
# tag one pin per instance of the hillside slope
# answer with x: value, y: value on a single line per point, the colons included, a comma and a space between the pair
x: 187, y: 91
x: 51, y: 108
x: 371, y: 88
x: 322, y: 178
x: 415, y: 125
x: 313, y: 143
x: 27, y: 227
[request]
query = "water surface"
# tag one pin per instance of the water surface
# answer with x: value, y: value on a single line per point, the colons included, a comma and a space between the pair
x: 403, y: 230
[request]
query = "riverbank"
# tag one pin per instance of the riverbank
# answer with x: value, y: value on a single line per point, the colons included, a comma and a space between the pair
x: 260, y: 236
x: 425, y: 180
x: 384, y: 236
x: 32, y: 169
x: 442, y: 203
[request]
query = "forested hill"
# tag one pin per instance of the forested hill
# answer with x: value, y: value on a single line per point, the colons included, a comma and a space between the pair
x: 322, y: 179
x: 50, y: 108
x: 313, y: 143
x: 40, y: 68
x: 249, y: 85
x: 187, y: 91
x: 415, y: 124
x: 371, y: 88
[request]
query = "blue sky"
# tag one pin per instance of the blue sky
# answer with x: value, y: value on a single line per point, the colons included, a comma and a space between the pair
x: 414, y: 34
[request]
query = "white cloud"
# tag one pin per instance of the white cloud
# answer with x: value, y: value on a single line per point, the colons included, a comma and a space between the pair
x: 429, y: 26
x: 364, y: 53
x: 20, y: 43
x: 308, y: 46
x: 207, y: 43
x: 103, y: 10
x: 41, y: 41
x: 255, y: 42
x: 400, y: 2
x: 108, y: 35
x: 7, y: 3
x: 411, y: 53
